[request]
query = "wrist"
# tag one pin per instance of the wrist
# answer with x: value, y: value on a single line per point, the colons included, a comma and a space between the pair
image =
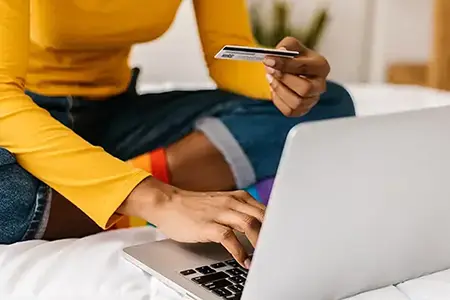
x: 146, y: 200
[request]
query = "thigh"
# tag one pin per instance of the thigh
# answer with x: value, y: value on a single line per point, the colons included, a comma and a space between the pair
x: 139, y: 124
x: 23, y: 202
x: 251, y: 134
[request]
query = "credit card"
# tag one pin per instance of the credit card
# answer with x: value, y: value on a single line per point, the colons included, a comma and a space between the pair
x: 251, y: 53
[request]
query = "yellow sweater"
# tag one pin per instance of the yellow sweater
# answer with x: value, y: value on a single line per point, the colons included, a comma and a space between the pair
x: 81, y: 47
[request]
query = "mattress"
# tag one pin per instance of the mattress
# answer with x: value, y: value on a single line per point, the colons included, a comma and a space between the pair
x: 93, y: 268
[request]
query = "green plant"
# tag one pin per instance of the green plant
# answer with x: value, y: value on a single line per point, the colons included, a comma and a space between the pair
x: 281, y: 27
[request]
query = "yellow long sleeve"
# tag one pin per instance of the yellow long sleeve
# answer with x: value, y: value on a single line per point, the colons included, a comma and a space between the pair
x: 221, y: 23
x: 81, y: 48
x: 92, y: 179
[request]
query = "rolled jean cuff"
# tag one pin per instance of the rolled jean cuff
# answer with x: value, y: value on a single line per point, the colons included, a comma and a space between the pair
x: 41, y: 213
x: 219, y: 135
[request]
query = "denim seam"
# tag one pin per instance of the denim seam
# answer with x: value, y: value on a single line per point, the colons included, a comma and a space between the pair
x: 45, y: 215
x: 41, y: 212
x: 219, y: 135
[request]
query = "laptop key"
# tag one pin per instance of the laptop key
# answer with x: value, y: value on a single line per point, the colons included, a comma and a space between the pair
x: 218, y: 265
x: 236, y: 272
x: 205, y: 270
x: 209, y: 278
x: 234, y: 297
x: 233, y: 263
x: 236, y: 288
x: 238, y: 279
x: 222, y: 292
x: 187, y: 272
x: 217, y: 284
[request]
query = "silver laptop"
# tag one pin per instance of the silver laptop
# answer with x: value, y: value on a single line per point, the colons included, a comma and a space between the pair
x: 358, y: 204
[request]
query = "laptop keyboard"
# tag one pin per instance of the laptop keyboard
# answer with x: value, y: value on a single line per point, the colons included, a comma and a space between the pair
x: 225, y: 279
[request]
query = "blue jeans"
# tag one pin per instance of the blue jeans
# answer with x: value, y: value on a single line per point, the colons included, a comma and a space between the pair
x: 250, y: 134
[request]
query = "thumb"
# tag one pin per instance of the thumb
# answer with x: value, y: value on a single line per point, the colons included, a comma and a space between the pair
x: 292, y: 44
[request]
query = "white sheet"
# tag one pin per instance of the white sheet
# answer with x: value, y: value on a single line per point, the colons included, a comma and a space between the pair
x: 383, y: 99
x: 92, y: 268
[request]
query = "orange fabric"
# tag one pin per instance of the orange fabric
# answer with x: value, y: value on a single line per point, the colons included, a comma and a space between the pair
x: 143, y: 162
x: 159, y: 165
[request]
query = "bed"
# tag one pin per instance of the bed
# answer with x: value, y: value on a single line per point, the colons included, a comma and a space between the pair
x: 92, y: 267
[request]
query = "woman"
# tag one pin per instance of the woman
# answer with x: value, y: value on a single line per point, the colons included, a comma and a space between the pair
x: 70, y: 118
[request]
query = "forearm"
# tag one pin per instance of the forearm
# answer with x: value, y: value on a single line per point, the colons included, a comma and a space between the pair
x: 245, y: 78
x: 93, y: 180
x: 146, y: 199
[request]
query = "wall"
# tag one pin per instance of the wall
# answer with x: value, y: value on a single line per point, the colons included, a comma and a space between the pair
x: 177, y: 55
x: 363, y: 38
x: 343, y: 42
x: 402, y: 32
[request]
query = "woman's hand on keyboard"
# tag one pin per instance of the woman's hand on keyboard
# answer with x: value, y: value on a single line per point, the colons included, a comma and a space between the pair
x: 193, y: 217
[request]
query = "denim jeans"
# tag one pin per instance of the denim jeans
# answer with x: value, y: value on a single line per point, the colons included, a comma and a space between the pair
x: 250, y: 134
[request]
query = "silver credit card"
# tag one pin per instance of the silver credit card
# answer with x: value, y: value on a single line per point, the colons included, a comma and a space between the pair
x: 251, y: 53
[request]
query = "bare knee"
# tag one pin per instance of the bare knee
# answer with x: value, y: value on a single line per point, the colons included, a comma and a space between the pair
x: 195, y: 164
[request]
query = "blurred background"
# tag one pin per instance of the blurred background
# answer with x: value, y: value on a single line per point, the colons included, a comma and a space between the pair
x: 366, y: 41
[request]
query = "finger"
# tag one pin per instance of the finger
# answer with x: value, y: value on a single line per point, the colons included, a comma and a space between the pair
x: 287, y: 95
x: 319, y: 86
x: 301, y: 86
x: 279, y: 103
x: 304, y: 87
x: 247, y: 198
x: 282, y: 107
x: 273, y: 72
x: 308, y: 66
x: 310, y: 102
x: 232, y: 201
x: 225, y: 236
x: 291, y: 43
x: 246, y: 224
x: 306, y: 106
x: 247, y: 209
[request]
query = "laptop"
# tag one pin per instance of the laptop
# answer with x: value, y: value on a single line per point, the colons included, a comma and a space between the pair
x: 357, y: 204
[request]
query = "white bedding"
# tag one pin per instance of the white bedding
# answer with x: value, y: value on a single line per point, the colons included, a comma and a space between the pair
x: 382, y: 99
x: 92, y: 268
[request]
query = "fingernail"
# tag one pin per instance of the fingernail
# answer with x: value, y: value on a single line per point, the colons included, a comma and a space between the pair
x: 247, y: 263
x: 269, y: 78
x: 269, y: 62
x: 270, y: 70
x: 282, y: 48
